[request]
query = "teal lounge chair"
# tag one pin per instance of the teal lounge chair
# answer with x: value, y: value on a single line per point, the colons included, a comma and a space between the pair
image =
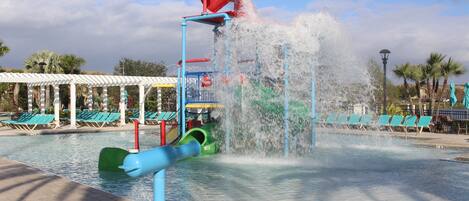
x: 424, y: 122
x: 383, y: 121
x: 167, y: 116
x: 341, y: 120
x: 365, y: 121
x: 35, y: 121
x: 354, y: 120
x: 396, y: 121
x: 330, y: 120
x: 409, y: 122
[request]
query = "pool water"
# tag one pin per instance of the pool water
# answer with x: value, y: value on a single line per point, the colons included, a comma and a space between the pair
x: 343, y: 167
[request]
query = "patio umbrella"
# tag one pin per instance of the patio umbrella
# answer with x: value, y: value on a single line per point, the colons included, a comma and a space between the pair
x: 465, y: 100
x: 452, y: 94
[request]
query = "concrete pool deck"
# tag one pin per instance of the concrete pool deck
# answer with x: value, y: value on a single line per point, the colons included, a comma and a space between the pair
x: 20, y: 182
x: 438, y: 140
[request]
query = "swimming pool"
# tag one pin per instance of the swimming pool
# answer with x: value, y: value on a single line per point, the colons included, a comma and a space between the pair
x: 343, y: 167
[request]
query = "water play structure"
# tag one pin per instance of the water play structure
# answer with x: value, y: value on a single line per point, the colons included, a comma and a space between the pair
x: 257, y: 96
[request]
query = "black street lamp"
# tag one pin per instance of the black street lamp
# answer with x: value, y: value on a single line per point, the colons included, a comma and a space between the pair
x: 384, y: 56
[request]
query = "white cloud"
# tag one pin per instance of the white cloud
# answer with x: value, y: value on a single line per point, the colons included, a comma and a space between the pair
x: 100, y: 31
x: 410, y: 31
x: 104, y: 31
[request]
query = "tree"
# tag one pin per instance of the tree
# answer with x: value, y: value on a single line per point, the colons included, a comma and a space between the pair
x: 450, y: 68
x: 433, y: 71
x: 3, y: 49
x: 71, y: 64
x: 417, y: 75
x: 44, y: 61
x: 140, y: 68
x: 404, y: 71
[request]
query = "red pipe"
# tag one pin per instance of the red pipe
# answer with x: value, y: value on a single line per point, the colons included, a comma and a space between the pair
x: 163, y: 133
x: 136, y: 132
x: 190, y: 124
x: 205, y: 6
x: 195, y: 60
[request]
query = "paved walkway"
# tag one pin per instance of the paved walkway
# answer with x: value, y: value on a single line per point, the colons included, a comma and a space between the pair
x: 19, y: 182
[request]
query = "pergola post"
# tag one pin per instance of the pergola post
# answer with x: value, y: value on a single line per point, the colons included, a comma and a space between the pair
x: 73, y: 105
x: 105, y: 99
x: 43, y: 99
x: 122, y: 105
x: 90, y: 98
x: 141, y: 103
x: 30, y: 98
x: 57, y: 105
x: 158, y: 95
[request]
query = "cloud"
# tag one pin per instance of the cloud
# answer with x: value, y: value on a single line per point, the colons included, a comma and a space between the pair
x: 410, y: 30
x: 106, y: 30
x: 100, y: 31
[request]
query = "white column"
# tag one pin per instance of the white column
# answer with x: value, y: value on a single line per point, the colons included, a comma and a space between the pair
x: 30, y: 98
x: 43, y: 99
x: 73, y: 105
x: 90, y: 97
x: 105, y: 99
x: 57, y: 105
x: 122, y: 105
x: 158, y: 95
x: 141, y: 103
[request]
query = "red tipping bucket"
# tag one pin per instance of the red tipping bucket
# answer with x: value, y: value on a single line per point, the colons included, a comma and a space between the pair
x: 216, y: 5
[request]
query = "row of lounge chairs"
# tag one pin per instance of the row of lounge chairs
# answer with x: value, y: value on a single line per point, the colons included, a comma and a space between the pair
x: 97, y: 119
x: 30, y: 121
x: 154, y: 117
x: 386, y: 122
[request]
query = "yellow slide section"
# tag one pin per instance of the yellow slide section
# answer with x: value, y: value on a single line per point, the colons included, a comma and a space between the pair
x: 172, y: 136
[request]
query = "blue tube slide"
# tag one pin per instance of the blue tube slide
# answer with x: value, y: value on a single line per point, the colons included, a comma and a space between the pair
x: 154, y: 160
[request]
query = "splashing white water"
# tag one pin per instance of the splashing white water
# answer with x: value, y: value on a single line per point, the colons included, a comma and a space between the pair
x: 252, y: 78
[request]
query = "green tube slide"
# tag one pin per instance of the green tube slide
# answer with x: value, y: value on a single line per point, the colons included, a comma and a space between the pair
x: 204, y: 136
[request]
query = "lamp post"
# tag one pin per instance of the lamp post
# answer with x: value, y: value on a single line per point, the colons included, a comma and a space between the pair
x: 384, y: 56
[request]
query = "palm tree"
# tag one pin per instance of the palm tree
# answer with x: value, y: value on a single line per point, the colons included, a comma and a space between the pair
x: 403, y: 71
x: 3, y: 49
x: 433, y: 71
x: 417, y: 75
x: 449, y: 68
x: 71, y: 64
x: 44, y: 61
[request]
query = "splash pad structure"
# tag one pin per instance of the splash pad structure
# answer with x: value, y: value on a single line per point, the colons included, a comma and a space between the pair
x: 263, y: 110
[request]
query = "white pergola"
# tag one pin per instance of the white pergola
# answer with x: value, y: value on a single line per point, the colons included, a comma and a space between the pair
x: 104, y: 81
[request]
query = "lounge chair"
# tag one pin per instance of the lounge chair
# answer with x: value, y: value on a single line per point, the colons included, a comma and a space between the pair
x: 354, y: 121
x: 330, y: 120
x: 167, y: 116
x: 424, y: 122
x: 105, y: 120
x: 383, y: 121
x: 35, y: 121
x: 365, y: 121
x: 409, y: 122
x: 341, y: 120
x: 396, y: 121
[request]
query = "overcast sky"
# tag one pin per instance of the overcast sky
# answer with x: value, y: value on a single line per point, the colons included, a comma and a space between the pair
x: 103, y: 31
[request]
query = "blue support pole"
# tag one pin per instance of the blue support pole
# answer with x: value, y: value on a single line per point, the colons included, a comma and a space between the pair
x: 313, y: 112
x: 178, y: 101
x: 226, y: 72
x: 183, y: 72
x: 285, y: 117
x: 159, y: 185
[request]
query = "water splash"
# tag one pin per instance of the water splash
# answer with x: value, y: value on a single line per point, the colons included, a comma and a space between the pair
x: 251, y: 78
